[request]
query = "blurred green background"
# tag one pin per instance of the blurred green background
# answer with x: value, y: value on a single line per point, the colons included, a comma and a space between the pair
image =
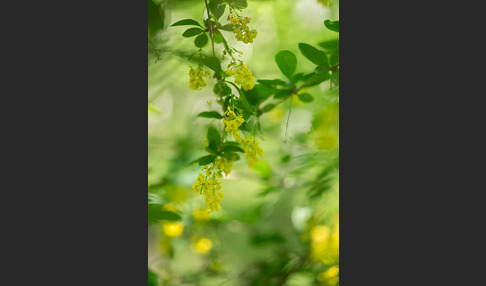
x: 279, y: 223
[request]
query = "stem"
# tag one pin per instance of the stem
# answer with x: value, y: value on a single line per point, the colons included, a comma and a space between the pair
x: 288, y: 118
x: 211, y: 33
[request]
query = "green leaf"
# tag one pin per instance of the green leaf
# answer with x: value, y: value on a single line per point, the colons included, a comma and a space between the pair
x: 268, y: 107
x: 283, y: 94
x: 334, y: 59
x: 296, y: 77
x: 232, y: 149
x: 225, y: 89
x: 313, y: 54
x: 240, y: 4
x: 315, y: 79
x: 156, y: 17
x: 335, y: 77
x: 227, y: 27
x: 272, y: 82
x: 305, y: 97
x: 332, y: 25
x: 259, y: 93
x: 210, y: 114
x: 201, y: 40
x: 217, y: 8
x: 287, y: 62
x: 212, y: 63
x: 156, y: 214
x: 322, y: 68
x: 152, y: 279
x: 332, y: 45
x: 191, y: 32
x: 206, y: 160
x: 186, y: 22
x: 218, y: 37
x: 214, y: 139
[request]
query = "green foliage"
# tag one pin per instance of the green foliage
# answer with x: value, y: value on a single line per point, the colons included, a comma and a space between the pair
x: 305, y: 97
x: 156, y: 18
x: 186, y: 22
x: 214, y: 139
x: 210, y: 114
x: 201, y: 40
x: 191, y: 32
x: 287, y: 62
x: 312, y: 54
x: 332, y: 25
x: 152, y: 279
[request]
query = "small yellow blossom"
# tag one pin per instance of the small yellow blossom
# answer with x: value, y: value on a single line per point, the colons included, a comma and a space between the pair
x: 252, y: 150
x: 196, y: 78
x: 232, y: 123
x: 202, y: 246
x: 241, y: 30
x: 223, y: 165
x: 330, y: 275
x: 243, y: 75
x: 172, y: 229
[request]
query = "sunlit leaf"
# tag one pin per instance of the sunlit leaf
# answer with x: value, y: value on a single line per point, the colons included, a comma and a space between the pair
x: 287, y: 62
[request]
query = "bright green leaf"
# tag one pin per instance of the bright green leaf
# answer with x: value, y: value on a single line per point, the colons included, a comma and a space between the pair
x: 214, y: 139
x: 206, y: 160
x: 322, y: 68
x: 287, y: 62
x: 283, y: 94
x: 210, y: 114
x: 332, y: 25
x: 191, y: 32
x: 201, y: 40
x: 186, y: 22
x: 313, y: 54
x: 305, y: 97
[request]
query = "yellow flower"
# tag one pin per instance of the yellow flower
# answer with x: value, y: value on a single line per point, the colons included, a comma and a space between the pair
x: 243, y: 75
x: 241, y: 30
x: 252, y: 150
x: 200, y: 214
x: 223, y: 165
x: 202, y: 246
x: 232, y: 123
x: 196, y: 78
x: 172, y: 229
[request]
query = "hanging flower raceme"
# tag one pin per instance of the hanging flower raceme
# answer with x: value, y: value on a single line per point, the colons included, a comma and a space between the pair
x: 232, y: 123
x: 242, y: 32
x: 243, y: 75
x: 208, y: 184
x: 197, y: 78
x: 252, y: 149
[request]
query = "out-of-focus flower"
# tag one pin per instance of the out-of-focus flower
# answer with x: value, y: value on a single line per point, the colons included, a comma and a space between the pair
x: 172, y: 229
x: 196, y: 78
x: 252, y: 150
x: 202, y: 245
x: 201, y: 214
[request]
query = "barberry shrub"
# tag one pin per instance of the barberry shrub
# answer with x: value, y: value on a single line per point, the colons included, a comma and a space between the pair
x: 243, y: 171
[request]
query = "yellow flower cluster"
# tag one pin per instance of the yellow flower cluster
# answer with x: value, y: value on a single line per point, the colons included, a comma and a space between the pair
x: 252, y: 150
x: 208, y: 185
x: 330, y: 276
x: 325, y: 243
x: 241, y: 30
x: 232, y: 123
x: 196, y: 78
x: 243, y: 75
